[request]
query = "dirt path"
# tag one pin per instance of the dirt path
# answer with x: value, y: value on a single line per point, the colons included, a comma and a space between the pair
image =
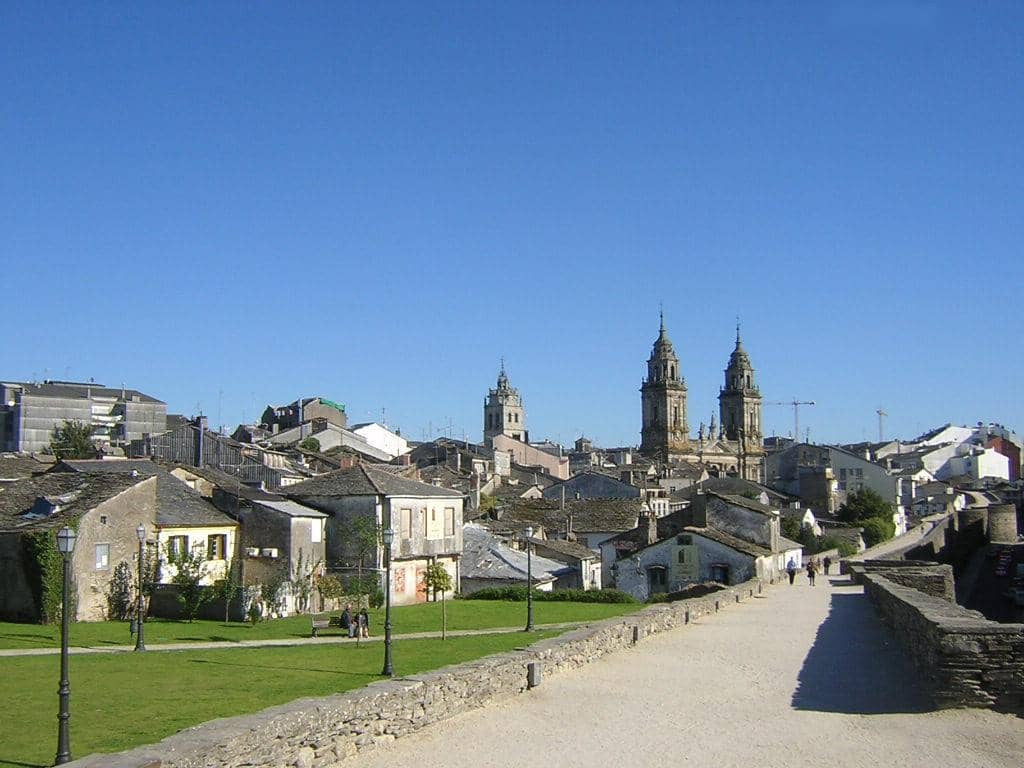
x: 803, y: 677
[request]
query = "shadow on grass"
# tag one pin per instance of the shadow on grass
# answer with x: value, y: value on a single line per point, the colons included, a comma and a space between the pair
x: 38, y: 637
x: 4, y: 761
x: 856, y: 667
x: 365, y: 675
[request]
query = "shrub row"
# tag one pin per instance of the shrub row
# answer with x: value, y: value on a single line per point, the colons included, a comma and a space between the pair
x: 518, y: 594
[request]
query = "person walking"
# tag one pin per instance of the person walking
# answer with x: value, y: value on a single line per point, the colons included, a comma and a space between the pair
x: 827, y: 562
x: 812, y: 568
x: 348, y: 621
x: 791, y: 570
x: 364, y: 623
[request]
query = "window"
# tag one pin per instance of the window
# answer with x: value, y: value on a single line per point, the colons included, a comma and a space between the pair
x: 682, y: 555
x: 449, y: 521
x: 316, y: 535
x: 177, y: 545
x: 657, y: 578
x: 216, y: 546
x: 102, y: 557
x: 720, y: 573
x: 103, y: 519
x: 406, y: 515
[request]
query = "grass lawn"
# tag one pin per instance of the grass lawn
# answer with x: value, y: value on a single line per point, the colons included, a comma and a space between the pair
x: 123, y: 700
x: 423, y: 617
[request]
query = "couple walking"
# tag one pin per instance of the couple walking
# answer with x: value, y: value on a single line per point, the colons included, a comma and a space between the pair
x: 357, y: 624
x: 812, y: 568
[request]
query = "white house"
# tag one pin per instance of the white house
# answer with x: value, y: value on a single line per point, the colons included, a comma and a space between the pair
x: 382, y: 438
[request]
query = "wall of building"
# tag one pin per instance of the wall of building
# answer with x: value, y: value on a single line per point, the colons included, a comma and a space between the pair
x: 322, y: 731
x: 528, y: 456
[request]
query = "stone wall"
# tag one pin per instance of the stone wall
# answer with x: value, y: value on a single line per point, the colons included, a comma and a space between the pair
x: 317, y: 733
x: 963, y: 659
x: 930, y: 578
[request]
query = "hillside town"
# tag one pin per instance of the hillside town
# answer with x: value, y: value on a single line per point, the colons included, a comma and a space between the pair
x: 303, y: 497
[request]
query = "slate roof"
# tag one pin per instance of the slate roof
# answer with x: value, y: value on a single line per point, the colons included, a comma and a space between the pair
x: 290, y: 508
x: 73, y: 493
x: 566, y: 548
x: 588, y: 515
x: 226, y: 482
x: 485, y: 556
x: 18, y: 466
x: 733, y: 542
x: 366, y: 481
x: 142, y: 467
x: 81, y: 390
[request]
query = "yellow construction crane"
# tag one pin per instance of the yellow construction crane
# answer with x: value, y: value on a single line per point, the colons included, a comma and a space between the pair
x: 796, y: 413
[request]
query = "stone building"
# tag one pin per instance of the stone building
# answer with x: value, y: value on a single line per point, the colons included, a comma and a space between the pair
x: 733, y: 447
x: 504, y: 413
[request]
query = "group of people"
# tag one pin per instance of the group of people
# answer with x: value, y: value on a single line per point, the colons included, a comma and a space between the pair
x: 813, y: 567
x: 356, y: 624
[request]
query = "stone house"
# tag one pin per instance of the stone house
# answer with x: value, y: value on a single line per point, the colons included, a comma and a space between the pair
x: 587, y: 521
x: 586, y: 563
x: 426, y: 520
x: 488, y: 561
x: 591, y: 485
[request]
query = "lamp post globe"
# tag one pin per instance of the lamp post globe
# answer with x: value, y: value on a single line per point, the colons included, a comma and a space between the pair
x: 66, y: 546
x: 140, y: 611
x: 529, y: 580
x: 387, y: 538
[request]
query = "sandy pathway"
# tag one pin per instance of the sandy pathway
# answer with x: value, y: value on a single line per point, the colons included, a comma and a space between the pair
x: 803, y: 677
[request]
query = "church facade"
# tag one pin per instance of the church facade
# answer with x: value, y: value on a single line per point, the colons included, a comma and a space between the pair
x: 733, y: 447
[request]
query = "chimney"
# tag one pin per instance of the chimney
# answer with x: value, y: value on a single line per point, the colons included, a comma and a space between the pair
x: 699, y: 510
x: 652, y: 527
x: 300, y: 410
x: 458, y: 461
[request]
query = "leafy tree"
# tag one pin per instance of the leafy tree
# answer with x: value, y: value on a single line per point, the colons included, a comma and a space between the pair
x: 225, y: 589
x: 437, y: 579
x: 330, y: 588
x: 864, y: 505
x: 487, y: 503
x: 302, y: 581
x: 271, y: 590
x: 791, y: 528
x: 361, y: 536
x: 876, y: 530
x: 119, y: 592
x: 310, y: 444
x: 190, y: 568
x: 73, y: 440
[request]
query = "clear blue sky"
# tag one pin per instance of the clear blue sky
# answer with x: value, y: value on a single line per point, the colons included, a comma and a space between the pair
x: 229, y: 205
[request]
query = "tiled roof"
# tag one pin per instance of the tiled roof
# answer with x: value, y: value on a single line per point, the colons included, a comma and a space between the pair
x: 486, y: 556
x: 566, y: 548
x: 70, y: 494
x: 290, y: 508
x: 588, y: 516
x: 143, y: 467
x: 15, y: 466
x: 733, y: 542
x: 366, y: 481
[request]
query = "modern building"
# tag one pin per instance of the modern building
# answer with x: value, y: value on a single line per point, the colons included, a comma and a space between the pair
x: 31, y: 411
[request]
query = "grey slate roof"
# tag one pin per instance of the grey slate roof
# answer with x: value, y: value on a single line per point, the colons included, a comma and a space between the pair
x: 485, y: 556
x: 566, y: 548
x: 290, y: 508
x: 366, y: 481
x: 18, y: 466
x: 72, y: 493
x: 82, y: 390
x: 733, y: 542
x: 588, y: 516
x: 142, y: 467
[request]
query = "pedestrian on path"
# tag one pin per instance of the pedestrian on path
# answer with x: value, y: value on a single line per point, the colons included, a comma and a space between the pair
x: 364, y: 623
x: 812, y: 568
x: 348, y: 621
x: 791, y: 570
x: 827, y: 563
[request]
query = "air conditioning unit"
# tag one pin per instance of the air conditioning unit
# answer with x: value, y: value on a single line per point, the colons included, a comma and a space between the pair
x: 270, y: 552
x: 252, y: 551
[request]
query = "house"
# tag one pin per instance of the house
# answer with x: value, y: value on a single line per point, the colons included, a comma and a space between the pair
x: 104, y: 509
x: 587, y: 521
x: 718, y: 537
x: 383, y: 439
x: 591, y: 485
x: 586, y: 563
x: 488, y: 561
x: 302, y: 411
x: 30, y: 411
x: 526, y: 455
x: 426, y: 520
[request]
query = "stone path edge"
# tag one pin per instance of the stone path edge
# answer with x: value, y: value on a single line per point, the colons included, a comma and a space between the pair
x: 321, y: 732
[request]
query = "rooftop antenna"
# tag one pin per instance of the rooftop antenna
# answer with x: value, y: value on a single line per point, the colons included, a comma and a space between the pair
x: 881, y: 415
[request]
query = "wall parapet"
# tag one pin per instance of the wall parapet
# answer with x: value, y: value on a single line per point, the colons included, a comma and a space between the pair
x: 320, y: 732
x: 964, y: 659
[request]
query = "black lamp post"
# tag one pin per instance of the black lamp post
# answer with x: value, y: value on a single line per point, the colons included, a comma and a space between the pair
x: 529, y: 581
x: 65, y: 545
x: 387, y: 537
x: 140, y: 613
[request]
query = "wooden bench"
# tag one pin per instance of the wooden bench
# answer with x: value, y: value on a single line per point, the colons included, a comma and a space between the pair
x: 324, y: 621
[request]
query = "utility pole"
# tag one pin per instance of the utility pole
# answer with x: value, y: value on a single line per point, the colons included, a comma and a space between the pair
x: 881, y: 415
x: 796, y: 413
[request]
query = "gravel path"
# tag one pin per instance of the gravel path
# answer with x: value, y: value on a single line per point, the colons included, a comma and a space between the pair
x: 803, y: 677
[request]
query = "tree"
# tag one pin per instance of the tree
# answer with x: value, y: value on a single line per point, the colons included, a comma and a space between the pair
x: 225, y: 589
x: 310, y: 444
x: 302, y: 581
x: 791, y: 528
x: 875, y: 530
x: 73, y: 440
x: 437, y: 579
x: 864, y: 505
x: 361, y: 536
x: 190, y: 568
x: 119, y: 593
x: 330, y: 588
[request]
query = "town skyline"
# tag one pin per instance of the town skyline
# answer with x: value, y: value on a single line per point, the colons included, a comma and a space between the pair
x: 230, y: 208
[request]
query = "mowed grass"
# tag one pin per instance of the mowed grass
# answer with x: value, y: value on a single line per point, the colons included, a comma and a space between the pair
x: 123, y: 700
x: 423, y: 617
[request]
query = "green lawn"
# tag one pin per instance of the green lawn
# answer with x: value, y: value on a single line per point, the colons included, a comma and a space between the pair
x: 123, y: 700
x: 423, y: 617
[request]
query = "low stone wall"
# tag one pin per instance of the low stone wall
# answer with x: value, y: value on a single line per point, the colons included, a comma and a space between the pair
x: 931, y: 578
x: 963, y: 659
x: 317, y: 733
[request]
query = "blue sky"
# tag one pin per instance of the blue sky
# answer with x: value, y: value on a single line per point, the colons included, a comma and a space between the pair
x: 228, y: 205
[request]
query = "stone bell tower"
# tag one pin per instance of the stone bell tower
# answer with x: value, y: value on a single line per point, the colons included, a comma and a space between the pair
x: 739, y: 401
x: 503, y: 411
x: 663, y: 400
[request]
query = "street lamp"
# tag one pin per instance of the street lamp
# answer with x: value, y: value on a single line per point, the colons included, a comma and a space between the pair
x: 140, y: 613
x: 65, y: 545
x: 388, y: 537
x: 529, y: 580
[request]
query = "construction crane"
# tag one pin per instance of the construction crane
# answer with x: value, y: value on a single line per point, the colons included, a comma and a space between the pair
x: 796, y: 413
x: 881, y: 414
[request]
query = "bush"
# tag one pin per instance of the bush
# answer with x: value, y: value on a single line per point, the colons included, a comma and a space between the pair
x: 876, y: 530
x: 518, y: 594
x: 846, y: 548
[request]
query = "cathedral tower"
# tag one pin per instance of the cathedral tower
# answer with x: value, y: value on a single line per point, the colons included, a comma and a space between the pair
x: 739, y: 401
x: 503, y: 412
x: 663, y: 398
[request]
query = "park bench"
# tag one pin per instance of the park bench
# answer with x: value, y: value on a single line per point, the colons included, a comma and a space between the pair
x: 324, y: 621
